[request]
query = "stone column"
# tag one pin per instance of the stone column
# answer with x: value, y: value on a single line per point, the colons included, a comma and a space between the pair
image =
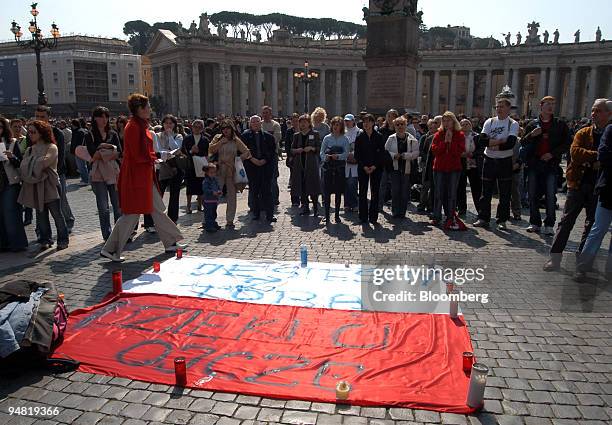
x: 256, y: 106
x: 338, y: 103
x: 419, y: 91
x: 435, y: 96
x: 571, y: 93
x: 452, y: 97
x: 507, y: 76
x: 274, y: 96
x: 173, y: 89
x: 182, y: 88
x: 243, y: 77
x: 322, y: 88
x: 592, y: 89
x: 196, y: 89
x: 487, y: 107
x: 161, y: 89
x: 354, y: 103
x: 542, y: 89
x: 222, y: 90
x: 469, y: 102
x: 552, y: 82
x: 515, y: 82
x: 290, y: 92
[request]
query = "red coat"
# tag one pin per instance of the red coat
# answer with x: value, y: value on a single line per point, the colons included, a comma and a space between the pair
x: 137, y: 174
x: 447, y: 157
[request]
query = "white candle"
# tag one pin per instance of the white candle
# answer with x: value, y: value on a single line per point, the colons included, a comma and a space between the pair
x: 478, y: 383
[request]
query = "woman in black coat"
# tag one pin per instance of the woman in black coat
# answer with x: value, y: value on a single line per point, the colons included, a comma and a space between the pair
x: 196, y: 144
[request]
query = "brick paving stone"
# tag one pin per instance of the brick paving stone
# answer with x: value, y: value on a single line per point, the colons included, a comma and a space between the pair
x: 594, y: 412
x: 374, y: 412
x: 537, y: 421
x: 179, y: 402
x: 296, y: 417
x: 88, y: 418
x: 298, y: 405
x: 565, y: 412
x: 202, y: 405
x: 509, y: 420
x: 113, y: 407
x: 270, y: 415
x: 204, y: 418
x: 134, y: 422
x: 325, y: 419
x: 156, y: 399
x: 399, y: 413
x: 247, y: 412
x: 67, y: 416
x: 228, y: 421
x: 493, y: 406
x: 539, y: 397
x: 136, y: 396
x: 111, y: 420
x: 224, y: 408
x: 224, y: 397
x: 323, y: 407
x: 453, y: 419
x: 156, y: 414
x: 134, y: 410
x: 270, y: 402
x: 426, y: 416
x: 514, y: 408
x: 381, y: 422
x: 540, y: 410
x: 248, y: 399
x: 179, y: 417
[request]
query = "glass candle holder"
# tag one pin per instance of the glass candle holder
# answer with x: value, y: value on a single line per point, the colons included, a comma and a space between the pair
x: 117, y: 282
x: 180, y: 371
x: 478, y: 383
x: 156, y: 266
x: 179, y: 253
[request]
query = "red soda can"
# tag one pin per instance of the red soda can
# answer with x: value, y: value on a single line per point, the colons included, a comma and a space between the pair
x: 179, y: 253
x: 117, y: 282
x: 180, y: 371
x: 468, y: 360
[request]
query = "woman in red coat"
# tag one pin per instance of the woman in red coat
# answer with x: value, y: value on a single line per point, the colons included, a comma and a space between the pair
x: 138, y: 190
x: 448, y: 145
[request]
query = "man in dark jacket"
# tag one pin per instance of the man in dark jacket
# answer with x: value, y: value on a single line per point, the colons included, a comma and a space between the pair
x: 581, y: 179
x: 43, y: 113
x: 79, y: 131
x: 369, y: 151
x: 260, y: 168
x: 546, y: 139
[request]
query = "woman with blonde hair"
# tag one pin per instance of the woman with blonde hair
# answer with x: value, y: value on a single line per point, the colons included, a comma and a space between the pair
x: 448, y: 146
x: 227, y: 145
x: 319, y: 116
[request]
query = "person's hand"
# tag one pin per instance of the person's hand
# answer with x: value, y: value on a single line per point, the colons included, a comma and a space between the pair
x: 262, y: 162
x: 9, y: 154
x: 494, y: 148
x: 535, y: 132
x: 300, y: 150
x: 397, y: 156
x: 546, y: 157
x: 516, y: 166
x: 448, y: 137
x: 194, y: 149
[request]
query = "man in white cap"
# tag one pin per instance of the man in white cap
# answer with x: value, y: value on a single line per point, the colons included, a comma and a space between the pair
x: 350, y: 196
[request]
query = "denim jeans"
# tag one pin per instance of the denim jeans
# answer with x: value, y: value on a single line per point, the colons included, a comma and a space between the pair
x: 83, y: 171
x: 66, y: 211
x: 103, y: 192
x: 210, y: 215
x: 351, y: 199
x: 542, y: 178
x: 400, y: 193
x: 576, y: 200
x: 446, y: 193
x: 601, y: 226
x: 44, y: 226
x: 12, y: 232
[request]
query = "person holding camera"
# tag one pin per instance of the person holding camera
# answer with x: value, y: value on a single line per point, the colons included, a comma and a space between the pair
x: 334, y: 152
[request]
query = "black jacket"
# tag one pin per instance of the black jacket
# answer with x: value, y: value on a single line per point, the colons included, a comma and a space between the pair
x: 61, y: 151
x: 369, y: 150
x: 267, y: 145
x: 78, y: 138
x: 558, y: 136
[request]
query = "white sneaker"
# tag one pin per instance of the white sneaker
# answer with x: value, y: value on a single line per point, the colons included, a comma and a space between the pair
x: 173, y: 248
x: 113, y: 257
x: 150, y: 230
x: 533, y: 228
x: 502, y: 226
x: 548, y: 230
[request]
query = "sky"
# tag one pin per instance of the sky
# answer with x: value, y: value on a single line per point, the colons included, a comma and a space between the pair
x: 485, y: 18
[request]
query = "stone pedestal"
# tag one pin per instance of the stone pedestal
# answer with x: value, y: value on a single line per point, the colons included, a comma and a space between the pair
x: 391, y: 59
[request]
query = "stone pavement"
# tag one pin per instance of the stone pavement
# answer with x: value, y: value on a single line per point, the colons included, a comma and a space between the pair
x: 546, y: 339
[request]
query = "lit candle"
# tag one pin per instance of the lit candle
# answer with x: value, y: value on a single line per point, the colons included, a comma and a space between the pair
x: 156, y: 267
x: 468, y: 359
x: 117, y: 282
x: 478, y: 383
x: 179, y: 253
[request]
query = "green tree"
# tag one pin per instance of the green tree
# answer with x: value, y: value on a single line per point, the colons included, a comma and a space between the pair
x: 140, y: 34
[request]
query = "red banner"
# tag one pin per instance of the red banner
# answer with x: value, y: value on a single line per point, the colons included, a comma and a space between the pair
x: 399, y: 359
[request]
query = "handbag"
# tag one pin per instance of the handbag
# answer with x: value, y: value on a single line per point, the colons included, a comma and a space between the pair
x: 199, y: 162
x: 240, y: 177
x: 166, y: 171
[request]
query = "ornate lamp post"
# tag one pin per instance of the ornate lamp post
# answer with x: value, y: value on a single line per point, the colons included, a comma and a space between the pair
x: 37, y: 43
x: 306, y: 77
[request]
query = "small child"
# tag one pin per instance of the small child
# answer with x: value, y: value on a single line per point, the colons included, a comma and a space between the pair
x: 212, y: 192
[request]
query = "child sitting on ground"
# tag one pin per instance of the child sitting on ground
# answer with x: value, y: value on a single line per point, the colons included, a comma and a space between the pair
x: 212, y: 192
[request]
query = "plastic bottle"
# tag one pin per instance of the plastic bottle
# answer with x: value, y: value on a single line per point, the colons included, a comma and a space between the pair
x: 304, y: 255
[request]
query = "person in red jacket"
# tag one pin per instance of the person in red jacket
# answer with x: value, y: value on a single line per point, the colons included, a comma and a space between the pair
x: 447, y: 147
x: 138, y: 189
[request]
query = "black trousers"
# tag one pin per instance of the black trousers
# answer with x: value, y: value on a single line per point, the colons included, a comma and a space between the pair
x: 473, y: 176
x: 173, y: 204
x: 260, y: 185
x: 496, y: 172
x: 576, y: 200
x: 369, y: 213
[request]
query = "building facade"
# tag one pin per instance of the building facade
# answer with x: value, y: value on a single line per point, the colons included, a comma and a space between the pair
x: 198, y: 73
x: 81, y: 73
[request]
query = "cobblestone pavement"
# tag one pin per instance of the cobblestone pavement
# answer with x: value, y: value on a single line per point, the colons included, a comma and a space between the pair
x: 546, y: 339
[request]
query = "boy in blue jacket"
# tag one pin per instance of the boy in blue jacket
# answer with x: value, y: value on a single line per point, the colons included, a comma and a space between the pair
x: 212, y: 192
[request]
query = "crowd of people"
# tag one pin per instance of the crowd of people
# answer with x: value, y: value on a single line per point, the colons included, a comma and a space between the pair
x: 371, y: 162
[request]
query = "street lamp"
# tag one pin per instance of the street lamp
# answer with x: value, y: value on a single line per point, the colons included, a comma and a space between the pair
x: 306, y: 76
x: 37, y: 43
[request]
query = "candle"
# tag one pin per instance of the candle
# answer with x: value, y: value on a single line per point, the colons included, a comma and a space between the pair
x: 478, y: 383
x: 156, y: 266
x: 180, y: 371
x: 468, y: 359
x: 179, y: 253
x: 342, y: 390
x: 117, y: 282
